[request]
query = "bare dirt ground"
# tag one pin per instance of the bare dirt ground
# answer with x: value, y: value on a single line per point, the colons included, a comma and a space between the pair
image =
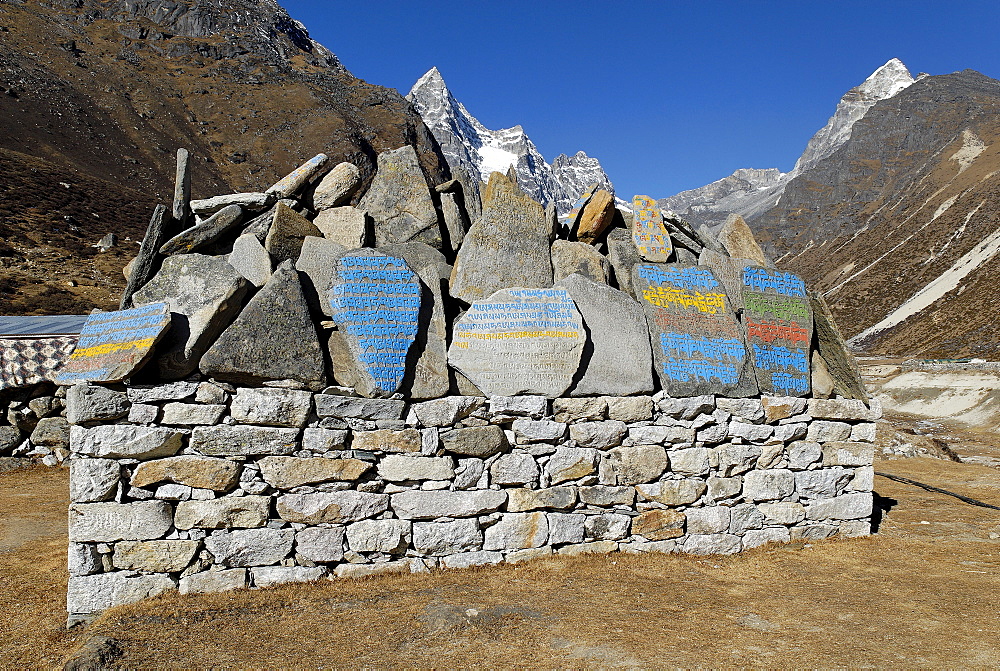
x: 922, y: 592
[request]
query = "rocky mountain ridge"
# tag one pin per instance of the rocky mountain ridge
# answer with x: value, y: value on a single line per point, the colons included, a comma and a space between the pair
x: 477, y: 151
x: 103, y: 101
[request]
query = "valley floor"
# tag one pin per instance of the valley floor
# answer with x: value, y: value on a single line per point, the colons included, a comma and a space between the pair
x: 922, y: 592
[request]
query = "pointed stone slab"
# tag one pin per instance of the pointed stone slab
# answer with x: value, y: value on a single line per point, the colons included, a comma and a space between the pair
x: 617, y: 360
x: 738, y: 240
x: 399, y: 201
x: 574, y: 213
x: 273, y: 338
x: 596, y: 217
x: 430, y: 372
x: 520, y: 341
x: 648, y: 232
x: 205, y: 294
x: 204, y: 233
x: 507, y: 247
x: 288, y: 230
x: 147, y: 261
x: 840, y: 363
x: 698, y: 346
x: 778, y: 322
x: 623, y: 256
x: 578, y: 257
x: 288, y: 185
x: 376, y: 300
x: 729, y: 271
x: 251, y: 260
x: 113, y: 345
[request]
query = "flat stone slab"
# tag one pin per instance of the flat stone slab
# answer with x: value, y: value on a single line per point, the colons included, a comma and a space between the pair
x: 840, y: 363
x: 778, y: 320
x: 204, y: 233
x: 288, y: 229
x: 697, y: 343
x: 296, y: 179
x: 347, y: 226
x: 375, y: 300
x: 251, y: 260
x: 317, y: 259
x: 520, y: 341
x: 578, y: 257
x: 738, y: 240
x: 650, y: 235
x: 113, y: 345
x: 619, y: 361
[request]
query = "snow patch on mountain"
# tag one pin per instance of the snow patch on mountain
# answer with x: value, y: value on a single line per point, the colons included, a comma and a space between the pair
x: 471, y: 147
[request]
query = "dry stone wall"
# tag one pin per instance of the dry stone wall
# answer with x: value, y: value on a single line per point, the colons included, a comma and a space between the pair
x: 202, y: 486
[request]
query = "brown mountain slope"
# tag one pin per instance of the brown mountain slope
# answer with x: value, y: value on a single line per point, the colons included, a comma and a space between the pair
x: 98, y: 94
x: 910, y: 200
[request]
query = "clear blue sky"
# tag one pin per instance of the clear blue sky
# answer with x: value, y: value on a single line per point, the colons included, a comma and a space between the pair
x: 669, y: 95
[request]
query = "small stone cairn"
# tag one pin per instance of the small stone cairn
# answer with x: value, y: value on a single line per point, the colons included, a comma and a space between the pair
x: 314, y: 381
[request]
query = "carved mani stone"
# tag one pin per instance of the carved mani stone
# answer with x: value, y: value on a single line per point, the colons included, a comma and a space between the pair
x: 520, y: 341
x: 778, y: 322
x: 697, y: 343
x: 375, y: 300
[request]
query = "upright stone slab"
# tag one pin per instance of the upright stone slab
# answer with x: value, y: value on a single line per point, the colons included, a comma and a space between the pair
x: 778, y: 322
x: 205, y: 294
x: 455, y: 219
x: 573, y: 216
x: 520, y: 341
x: 430, y: 372
x: 147, y: 261
x: 578, y: 257
x: 181, y: 210
x: 376, y: 302
x: 273, y: 338
x: 697, y: 343
x: 399, y: 201
x: 729, y: 271
x: 113, y: 345
x: 507, y: 247
x: 337, y: 186
x: 596, y: 217
x: 738, y: 240
x: 648, y: 232
x: 617, y: 360
x: 840, y: 363
x: 623, y: 256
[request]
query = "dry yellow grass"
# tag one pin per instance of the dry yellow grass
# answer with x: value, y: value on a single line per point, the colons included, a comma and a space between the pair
x: 922, y: 593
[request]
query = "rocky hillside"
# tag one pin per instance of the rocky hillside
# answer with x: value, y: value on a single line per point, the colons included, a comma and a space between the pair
x: 471, y: 147
x: 96, y: 95
x: 899, y: 227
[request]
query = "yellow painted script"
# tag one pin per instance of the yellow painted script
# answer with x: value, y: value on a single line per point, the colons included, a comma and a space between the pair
x: 711, y: 303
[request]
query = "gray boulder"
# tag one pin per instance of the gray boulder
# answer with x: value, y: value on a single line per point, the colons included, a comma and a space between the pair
x: 273, y: 338
x: 399, y: 201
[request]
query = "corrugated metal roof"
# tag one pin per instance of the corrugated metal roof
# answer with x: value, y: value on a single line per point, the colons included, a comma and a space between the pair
x: 46, y: 325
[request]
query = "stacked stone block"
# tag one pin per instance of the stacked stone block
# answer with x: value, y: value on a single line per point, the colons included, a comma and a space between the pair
x: 202, y: 486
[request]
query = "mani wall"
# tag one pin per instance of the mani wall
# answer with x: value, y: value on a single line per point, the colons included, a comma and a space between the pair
x: 328, y: 380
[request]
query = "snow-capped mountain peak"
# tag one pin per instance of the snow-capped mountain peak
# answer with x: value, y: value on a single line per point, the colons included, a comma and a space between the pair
x: 469, y: 145
x: 884, y: 83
